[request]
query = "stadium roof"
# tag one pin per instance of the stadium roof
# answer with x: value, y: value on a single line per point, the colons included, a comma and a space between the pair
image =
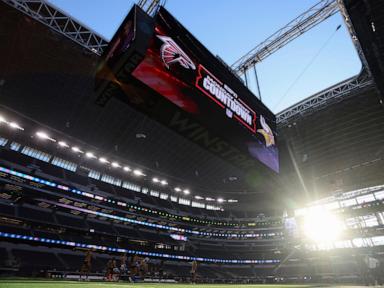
x: 50, y: 79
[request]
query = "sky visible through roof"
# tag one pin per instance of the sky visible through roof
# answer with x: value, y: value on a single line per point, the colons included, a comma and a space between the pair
x: 230, y: 28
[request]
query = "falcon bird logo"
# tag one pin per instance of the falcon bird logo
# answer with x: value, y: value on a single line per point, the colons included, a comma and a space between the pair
x: 171, y: 53
x: 266, y: 132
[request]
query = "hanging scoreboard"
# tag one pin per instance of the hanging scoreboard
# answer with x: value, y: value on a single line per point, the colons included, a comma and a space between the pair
x: 159, y: 68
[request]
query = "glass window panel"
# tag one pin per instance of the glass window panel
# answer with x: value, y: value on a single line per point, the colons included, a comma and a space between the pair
x: 379, y: 195
x: 3, y: 141
x: 94, y: 174
x: 64, y: 164
x: 378, y: 240
x: 154, y: 193
x: 365, y: 198
x: 131, y: 186
x: 348, y: 202
x: 370, y: 221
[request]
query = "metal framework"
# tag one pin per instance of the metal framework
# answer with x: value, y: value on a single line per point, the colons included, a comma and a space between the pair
x: 334, y: 93
x: 149, y: 6
x: 55, y: 19
x: 307, y: 20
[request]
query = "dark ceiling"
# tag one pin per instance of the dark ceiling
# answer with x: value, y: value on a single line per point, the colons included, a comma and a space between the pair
x: 339, y: 148
x: 367, y: 21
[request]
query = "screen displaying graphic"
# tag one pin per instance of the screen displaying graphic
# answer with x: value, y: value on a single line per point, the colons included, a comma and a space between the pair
x: 180, y: 69
x: 178, y: 82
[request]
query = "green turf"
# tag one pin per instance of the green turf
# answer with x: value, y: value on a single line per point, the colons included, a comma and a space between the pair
x: 22, y: 283
x: 67, y: 284
x: 74, y: 284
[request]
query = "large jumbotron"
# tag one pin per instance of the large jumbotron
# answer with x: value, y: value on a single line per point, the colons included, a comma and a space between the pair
x: 147, y: 159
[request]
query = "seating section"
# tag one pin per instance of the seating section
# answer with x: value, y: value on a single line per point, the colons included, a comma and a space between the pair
x: 46, y: 260
x: 36, y: 214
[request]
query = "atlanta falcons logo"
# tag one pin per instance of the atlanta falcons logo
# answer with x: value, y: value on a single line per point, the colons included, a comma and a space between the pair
x: 171, y: 53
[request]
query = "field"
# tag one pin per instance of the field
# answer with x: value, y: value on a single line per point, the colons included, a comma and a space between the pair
x: 74, y: 284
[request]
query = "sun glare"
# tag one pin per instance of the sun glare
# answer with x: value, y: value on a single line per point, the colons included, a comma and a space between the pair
x: 322, y: 226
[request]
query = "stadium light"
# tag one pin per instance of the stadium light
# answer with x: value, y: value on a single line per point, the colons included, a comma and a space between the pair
x: 220, y: 200
x: 177, y: 189
x: 232, y: 201
x: 76, y: 149
x: 138, y: 172
x: 186, y: 191
x: 321, y: 226
x: 163, y: 182
x: 63, y: 144
x: 103, y: 160
x: 199, y: 197
x: 126, y: 168
x: 90, y: 155
x: 45, y: 136
x: 155, y: 180
x: 115, y: 164
x: 14, y: 125
x: 2, y: 119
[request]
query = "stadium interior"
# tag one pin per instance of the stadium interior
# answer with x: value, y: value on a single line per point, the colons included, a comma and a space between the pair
x: 86, y: 188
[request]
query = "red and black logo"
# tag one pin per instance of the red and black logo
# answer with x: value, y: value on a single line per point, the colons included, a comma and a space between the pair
x: 171, y: 53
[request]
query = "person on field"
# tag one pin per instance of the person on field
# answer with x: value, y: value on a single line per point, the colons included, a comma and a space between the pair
x: 87, y: 265
x: 193, y: 271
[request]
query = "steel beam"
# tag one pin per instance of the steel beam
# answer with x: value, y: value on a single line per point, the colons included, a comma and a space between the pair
x: 54, y: 18
x: 341, y: 90
x: 57, y: 20
x: 301, y: 24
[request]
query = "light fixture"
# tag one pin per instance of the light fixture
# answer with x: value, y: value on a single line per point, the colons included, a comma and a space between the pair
x: 103, y: 160
x: 163, y: 182
x: 76, y: 149
x: 43, y: 135
x: 209, y: 199
x: 90, y: 155
x: 115, y: 164
x: 232, y: 201
x: 199, y: 197
x: 2, y: 119
x: 14, y: 125
x: 155, y: 180
x: 186, y: 191
x: 126, y: 168
x: 63, y: 144
x: 138, y: 172
x: 220, y: 200
x: 177, y: 189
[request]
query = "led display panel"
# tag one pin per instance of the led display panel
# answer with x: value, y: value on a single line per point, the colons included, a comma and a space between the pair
x: 170, y: 76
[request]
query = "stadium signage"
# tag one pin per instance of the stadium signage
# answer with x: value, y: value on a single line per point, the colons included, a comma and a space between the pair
x: 171, y: 53
x: 226, y: 98
x: 203, y: 137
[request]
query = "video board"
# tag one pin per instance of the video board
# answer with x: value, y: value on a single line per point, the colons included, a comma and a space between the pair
x: 178, y: 82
